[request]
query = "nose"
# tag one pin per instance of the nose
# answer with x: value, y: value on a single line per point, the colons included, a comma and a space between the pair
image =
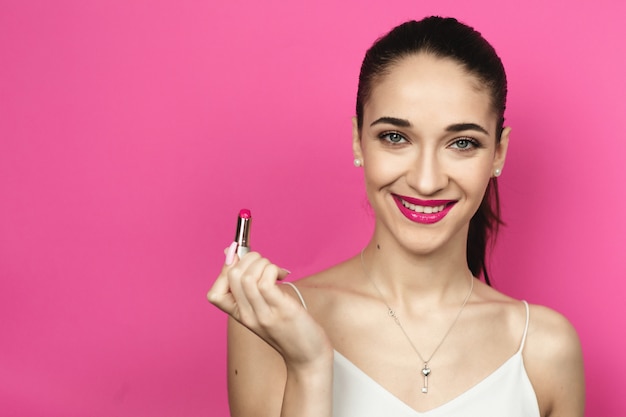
x: 426, y: 173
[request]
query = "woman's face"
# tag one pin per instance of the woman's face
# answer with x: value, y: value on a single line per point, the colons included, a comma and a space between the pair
x: 428, y: 147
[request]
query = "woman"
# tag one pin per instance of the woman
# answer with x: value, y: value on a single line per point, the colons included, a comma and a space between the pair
x: 405, y: 328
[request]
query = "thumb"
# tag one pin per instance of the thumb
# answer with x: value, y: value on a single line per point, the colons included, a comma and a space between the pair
x: 219, y: 294
x: 230, y: 253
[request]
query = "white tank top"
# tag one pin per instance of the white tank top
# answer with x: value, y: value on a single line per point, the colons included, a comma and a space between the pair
x: 507, y: 392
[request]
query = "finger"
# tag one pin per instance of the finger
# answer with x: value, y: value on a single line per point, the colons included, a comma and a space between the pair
x: 261, y: 272
x: 219, y: 294
x: 268, y: 300
x: 253, y: 266
x: 274, y: 297
x: 221, y: 285
x: 282, y: 273
x: 242, y: 269
x: 230, y: 253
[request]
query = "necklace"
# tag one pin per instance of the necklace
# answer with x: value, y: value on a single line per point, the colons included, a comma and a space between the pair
x: 392, y: 314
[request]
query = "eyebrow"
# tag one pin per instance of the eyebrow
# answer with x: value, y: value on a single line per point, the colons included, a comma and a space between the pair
x: 461, y: 127
x: 392, y: 121
x: 457, y: 127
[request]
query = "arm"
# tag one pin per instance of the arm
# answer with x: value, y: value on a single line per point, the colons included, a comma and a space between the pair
x: 279, y: 358
x: 555, y: 364
x: 260, y: 384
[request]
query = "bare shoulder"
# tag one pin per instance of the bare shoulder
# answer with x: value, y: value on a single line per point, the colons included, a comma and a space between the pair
x: 329, y: 277
x: 321, y: 290
x: 551, y: 339
x: 551, y: 332
x: 552, y: 352
x: 553, y: 360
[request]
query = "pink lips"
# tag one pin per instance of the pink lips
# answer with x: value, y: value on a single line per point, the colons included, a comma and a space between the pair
x: 424, y: 218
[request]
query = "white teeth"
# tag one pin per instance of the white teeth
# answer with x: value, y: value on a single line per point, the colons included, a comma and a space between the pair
x: 423, y: 209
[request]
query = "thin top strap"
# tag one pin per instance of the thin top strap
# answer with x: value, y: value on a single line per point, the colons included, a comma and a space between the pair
x: 526, y: 327
x: 297, y: 293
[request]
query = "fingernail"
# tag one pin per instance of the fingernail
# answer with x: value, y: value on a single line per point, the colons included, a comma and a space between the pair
x: 230, y: 255
x: 283, y: 274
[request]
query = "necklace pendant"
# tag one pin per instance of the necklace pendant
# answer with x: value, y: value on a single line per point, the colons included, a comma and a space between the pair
x: 425, y: 373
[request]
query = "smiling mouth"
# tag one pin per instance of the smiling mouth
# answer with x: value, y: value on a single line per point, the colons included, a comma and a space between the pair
x: 422, y: 209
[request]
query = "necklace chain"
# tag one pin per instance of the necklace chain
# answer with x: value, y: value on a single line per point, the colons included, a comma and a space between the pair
x: 426, y: 370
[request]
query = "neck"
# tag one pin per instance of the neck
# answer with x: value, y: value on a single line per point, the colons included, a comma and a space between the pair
x: 436, y: 278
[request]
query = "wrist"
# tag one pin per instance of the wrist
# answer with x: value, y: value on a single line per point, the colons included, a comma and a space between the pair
x: 308, y: 389
x: 311, y: 371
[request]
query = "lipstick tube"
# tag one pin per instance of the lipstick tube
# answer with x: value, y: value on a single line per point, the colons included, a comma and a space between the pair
x: 242, y: 234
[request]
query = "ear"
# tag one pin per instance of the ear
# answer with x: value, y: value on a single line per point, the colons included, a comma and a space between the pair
x: 501, y: 150
x: 356, y: 141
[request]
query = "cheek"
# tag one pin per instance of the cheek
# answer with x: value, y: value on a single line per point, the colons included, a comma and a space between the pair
x: 473, y: 177
x: 382, y: 169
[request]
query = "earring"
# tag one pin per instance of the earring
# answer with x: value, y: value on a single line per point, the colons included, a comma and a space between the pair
x: 357, y: 162
x: 497, y: 172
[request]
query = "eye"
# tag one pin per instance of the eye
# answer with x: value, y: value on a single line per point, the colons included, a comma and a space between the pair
x: 465, y: 144
x: 392, y: 137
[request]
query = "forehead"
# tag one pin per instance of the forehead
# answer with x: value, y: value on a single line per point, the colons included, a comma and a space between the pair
x: 430, y: 91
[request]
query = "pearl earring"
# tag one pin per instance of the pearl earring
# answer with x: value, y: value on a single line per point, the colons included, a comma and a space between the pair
x: 497, y: 172
x: 357, y: 162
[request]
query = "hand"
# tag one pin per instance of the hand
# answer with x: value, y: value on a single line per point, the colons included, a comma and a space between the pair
x: 246, y: 290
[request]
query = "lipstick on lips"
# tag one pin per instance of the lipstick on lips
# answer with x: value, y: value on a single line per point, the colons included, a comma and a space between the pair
x: 423, y: 211
x: 242, y: 234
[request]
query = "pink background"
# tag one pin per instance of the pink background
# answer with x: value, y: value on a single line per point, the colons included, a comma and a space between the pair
x: 132, y: 132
